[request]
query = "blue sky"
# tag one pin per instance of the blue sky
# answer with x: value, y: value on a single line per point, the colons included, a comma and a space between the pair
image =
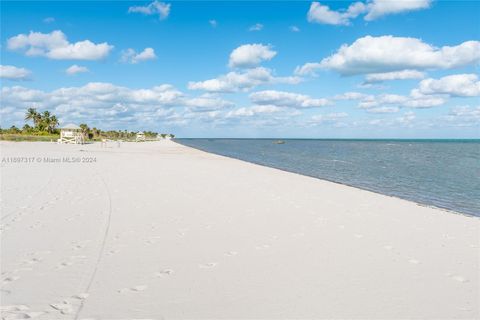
x: 364, y: 69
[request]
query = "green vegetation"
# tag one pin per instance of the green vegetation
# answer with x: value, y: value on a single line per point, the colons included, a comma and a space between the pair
x: 45, y: 128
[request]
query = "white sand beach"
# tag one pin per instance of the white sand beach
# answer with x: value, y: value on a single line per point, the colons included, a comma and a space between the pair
x: 158, y: 230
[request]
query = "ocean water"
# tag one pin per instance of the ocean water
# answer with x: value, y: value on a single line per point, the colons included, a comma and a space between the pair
x: 440, y: 173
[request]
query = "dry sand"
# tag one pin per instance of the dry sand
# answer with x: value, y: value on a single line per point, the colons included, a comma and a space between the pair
x: 158, y: 230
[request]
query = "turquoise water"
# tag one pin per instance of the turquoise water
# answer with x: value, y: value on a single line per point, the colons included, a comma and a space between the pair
x: 441, y: 173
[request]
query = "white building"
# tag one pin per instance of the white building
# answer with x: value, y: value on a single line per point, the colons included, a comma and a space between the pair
x: 71, y: 133
x: 140, y: 136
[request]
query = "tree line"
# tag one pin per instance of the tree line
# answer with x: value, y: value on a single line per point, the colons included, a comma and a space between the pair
x: 45, y: 123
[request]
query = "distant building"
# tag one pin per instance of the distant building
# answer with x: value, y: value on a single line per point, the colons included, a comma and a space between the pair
x: 71, y: 133
x: 140, y: 136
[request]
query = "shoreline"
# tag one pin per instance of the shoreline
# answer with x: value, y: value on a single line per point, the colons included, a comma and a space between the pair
x: 337, y: 182
x: 161, y: 230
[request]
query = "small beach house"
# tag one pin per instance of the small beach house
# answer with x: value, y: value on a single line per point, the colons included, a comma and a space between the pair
x: 71, y: 133
x: 140, y: 136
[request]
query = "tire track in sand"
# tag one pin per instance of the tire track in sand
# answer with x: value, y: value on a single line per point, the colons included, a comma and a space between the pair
x: 102, y: 247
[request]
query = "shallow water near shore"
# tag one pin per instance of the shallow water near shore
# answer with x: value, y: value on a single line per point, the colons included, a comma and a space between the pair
x: 440, y: 173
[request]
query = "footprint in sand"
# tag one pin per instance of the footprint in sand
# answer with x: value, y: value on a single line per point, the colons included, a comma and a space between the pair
x: 208, y: 265
x: 64, y: 307
x: 164, y: 273
x: 113, y: 251
x: 33, y: 261
x: 18, y: 312
x: 81, y: 296
x: 64, y: 265
x: 231, y: 253
x: 133, y: 289
x: 262, y: 247
x: 10, y: 279
x: 413, y: 261
x: 358, y: 236
x: 149, y: 242
x: 388, y: 247
x: 139, y: 288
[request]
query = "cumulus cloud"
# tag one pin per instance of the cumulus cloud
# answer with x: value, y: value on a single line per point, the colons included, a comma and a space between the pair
x: 336, y: 119
x: 388, y: 54
x: 155, y: 8
x: 208, y: 102
x: 351, y: 96
x: 286, y: 99
x: 14, y: 73
x: 373, y: 9
x: 253, y: 111
x: 319, y: 13
x: 99, y: 102
x: 256, y: 27
x: 383, y: 110
x: 466, y: 111
x: 74, y: 69
x: 213, y: 23
x: 463, y: 116
x: 380, y: 8
x: 55, y: 45
x: 131, y: 56
x: 394, y: 100
x: 459, y: 85
x: 241, y: 81
x: 394, y: 75
x: 250, y: 55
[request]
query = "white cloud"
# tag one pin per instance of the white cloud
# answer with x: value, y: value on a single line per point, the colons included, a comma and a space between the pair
x: 380, y: 8
x: 208, y: 102
x: 463, y: 116
x: 131, y: 56
x: 383, y: 103
x: 213, y: 23
x: 294, y: 29
x: 351, y: 96
x: 241, y: 81
x: 460, y: 85
x: 14, y: 73
x: 155, y: 8
x: 256, y: 27
x: 319, y: 13
x: 466, y: 111
x: 373, y: 9
x: 253, y: 111
x: 107, y: 104
x: 329, y: 118
x: 74, y: 69
x: 49, y: 20
x: 286, y: 99
x: 250, y: 55
x: 407, y: 118
x: 383, y: 110
x: 388, y: 53
x: 55, y: 45
x: 394, y: 75
x: 394, y: 100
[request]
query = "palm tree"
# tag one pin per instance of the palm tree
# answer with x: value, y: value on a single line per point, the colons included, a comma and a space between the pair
x: 52, y: 124
x: 32, y: 114
x: 43, y: 122
x: 85, y: 129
